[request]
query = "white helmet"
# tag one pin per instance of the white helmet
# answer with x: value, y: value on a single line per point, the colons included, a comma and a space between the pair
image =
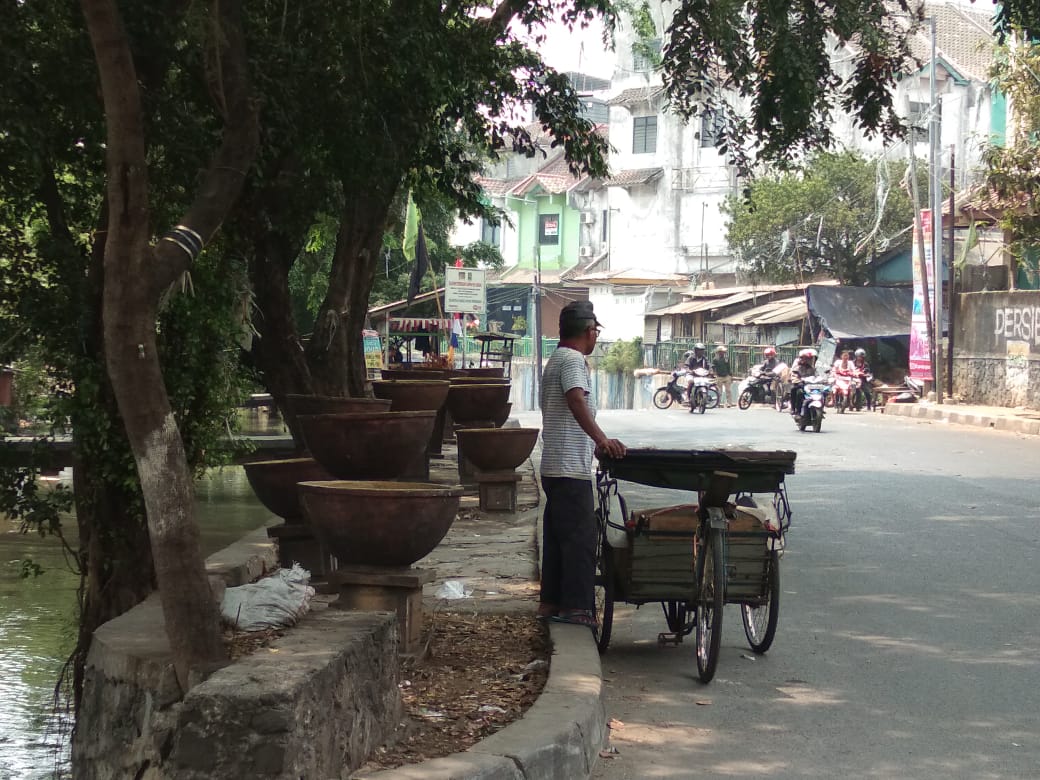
x: 721, y: 348
x: 861, y: 352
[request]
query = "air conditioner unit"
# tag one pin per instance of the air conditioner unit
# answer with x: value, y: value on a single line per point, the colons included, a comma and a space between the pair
x: 588, y: 217
x: 584, y: 251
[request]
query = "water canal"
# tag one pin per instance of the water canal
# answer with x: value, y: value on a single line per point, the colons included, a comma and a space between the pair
x: 37, y: 621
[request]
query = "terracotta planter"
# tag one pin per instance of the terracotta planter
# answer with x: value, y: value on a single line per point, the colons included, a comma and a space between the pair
x: 367, y: 445
x: 274, y: 482
x: 415, y: 373
x: 469, y: 403
x: 326, y: 404
x: 497, y: 449
x: 417, y: 395
x: 487, y: 372
x: 502, y: 418
x: 380, y: 523
x: 478, y: 380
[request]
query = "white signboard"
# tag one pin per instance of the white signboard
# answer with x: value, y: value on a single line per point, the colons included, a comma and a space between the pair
x: 465, y: 290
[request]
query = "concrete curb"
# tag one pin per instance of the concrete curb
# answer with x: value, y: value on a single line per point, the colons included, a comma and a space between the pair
x: 559, y: 736
x: 981, y: 418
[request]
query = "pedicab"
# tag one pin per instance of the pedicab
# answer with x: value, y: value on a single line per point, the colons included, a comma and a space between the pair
x: 694, y: 558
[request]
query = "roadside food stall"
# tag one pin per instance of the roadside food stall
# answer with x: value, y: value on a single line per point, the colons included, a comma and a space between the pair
x: 417, y: 339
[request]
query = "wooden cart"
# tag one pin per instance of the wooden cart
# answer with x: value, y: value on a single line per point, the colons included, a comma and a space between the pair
x: 695, y: 558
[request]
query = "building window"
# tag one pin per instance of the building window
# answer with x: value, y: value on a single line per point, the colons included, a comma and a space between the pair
x: 646, y: 55
x: 644, y: 135
x: 490, y: 233
x: 548, y: 229
x: 711, y: 129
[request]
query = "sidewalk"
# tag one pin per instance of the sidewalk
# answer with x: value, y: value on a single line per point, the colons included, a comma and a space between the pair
x: 997, y: 417
x: 495, y: 555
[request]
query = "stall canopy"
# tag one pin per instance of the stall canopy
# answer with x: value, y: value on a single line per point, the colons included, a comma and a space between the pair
x: 861, y: 312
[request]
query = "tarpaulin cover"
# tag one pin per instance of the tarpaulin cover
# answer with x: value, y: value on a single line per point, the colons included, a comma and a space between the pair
x: 861, y: 312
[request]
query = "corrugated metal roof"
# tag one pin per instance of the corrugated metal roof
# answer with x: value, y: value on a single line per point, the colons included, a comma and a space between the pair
x: 705, y: 304
x: 772, y: 313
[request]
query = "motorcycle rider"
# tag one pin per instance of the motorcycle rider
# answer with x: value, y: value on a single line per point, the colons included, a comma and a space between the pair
x: 804, y: 367
x: 698, y: 358
x: 769, y: 360
x: 862, y: 369
x: 723, y: 376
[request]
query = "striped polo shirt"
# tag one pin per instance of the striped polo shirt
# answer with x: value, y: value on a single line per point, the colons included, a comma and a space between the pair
x: 566, y: 448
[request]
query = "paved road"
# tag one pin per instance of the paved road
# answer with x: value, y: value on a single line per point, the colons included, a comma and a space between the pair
x: 908, y: 645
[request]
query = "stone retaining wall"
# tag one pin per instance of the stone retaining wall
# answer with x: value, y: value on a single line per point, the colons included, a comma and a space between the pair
x: 314, y: 703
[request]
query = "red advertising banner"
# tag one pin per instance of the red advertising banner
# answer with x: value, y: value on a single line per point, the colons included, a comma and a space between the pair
x: 920, y: 339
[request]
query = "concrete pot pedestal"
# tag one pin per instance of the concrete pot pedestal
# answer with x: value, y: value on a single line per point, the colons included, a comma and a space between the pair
x: 298, y: 544
x: 386, y: 589
x: 497, y: 490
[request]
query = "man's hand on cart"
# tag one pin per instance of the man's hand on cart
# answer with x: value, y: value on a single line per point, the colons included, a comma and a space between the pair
x: 612, y: 448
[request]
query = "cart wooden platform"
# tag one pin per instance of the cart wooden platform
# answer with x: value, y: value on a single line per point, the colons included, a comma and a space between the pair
x: 695, y: 558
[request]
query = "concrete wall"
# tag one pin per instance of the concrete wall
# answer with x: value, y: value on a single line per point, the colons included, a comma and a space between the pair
x: 996, y: 358
x: 313, y: 704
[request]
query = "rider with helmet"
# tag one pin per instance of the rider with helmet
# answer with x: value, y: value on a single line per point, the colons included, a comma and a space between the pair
x: 862, y: 370
x: 698, y: 358
x: 804, y: 367
x: 769, y: 360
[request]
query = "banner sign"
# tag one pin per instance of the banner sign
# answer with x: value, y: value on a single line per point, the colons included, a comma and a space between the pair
x: 373, y: 349
x: 465, y: 290
x: 920, y: 340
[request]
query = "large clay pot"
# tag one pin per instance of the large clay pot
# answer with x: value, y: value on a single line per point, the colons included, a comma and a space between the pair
x: 328, y: 404
x: 274, y: 482
x: 415, y: 373
x: 417, y: 395
x: 487, y: 372
x: 367, y: 445
x: 497, y: 449
x: 478, y: 380
x: 504, y: 416
x: 412, y: 395
x: 469, y: 403
x: 380, y: 523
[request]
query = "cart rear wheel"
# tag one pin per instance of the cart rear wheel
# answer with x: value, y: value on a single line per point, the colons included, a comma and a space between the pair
x: 712, y: 581
x: 760, y: 622
x: 744, y: 402
x: 680, y: 618
x: 662, y: 398
x: 604, y: 594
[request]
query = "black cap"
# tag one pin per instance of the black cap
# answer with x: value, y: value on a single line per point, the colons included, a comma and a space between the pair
x: 577, y: 311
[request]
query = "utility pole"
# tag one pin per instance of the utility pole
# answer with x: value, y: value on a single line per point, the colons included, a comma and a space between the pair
x: 935, y: 204
x: 950, y: 288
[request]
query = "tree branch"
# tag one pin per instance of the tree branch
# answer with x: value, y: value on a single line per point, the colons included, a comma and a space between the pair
x: 223, y: 180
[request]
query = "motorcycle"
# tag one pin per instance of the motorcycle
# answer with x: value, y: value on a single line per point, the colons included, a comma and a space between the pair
x: 844, y: 386
x: 703, y: 391
x: 673, y: 392
x: 816, y: 390
x: 759, y: 387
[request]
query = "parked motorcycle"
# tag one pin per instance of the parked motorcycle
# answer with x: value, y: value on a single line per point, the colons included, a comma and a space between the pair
x: 758, y: 387
x: 674, y: 391
x: 703, y: 391
x: 816, y: 391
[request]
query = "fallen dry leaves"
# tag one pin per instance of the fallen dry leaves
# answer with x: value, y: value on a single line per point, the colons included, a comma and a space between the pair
x: 481, y: 673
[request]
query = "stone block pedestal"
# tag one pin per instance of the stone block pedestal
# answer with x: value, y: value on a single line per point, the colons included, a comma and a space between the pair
x: 298, y: 544
x: 386, y: 589
x: 497, y: 490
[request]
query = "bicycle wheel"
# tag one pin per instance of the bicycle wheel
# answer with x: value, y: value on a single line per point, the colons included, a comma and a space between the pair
x: 604, y: 590
x: 662, y: 398
x: 744, y: 402
x: 677, y: 616
x: 713, y: 398
x: 712, y: 581
x: 760, y: 622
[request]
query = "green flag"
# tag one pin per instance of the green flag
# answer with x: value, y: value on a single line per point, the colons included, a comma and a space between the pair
x: 411, y: 229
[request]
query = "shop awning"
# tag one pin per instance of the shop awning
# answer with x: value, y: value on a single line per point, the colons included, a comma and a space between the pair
x: 418, y: 325
x: 861, y: 312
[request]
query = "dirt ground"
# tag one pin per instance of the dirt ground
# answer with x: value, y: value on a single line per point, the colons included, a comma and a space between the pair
x: 481, y: 672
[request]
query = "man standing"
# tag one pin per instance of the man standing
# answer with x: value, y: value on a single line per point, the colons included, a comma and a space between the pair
x: 569, y: 434
x: 723, y: 375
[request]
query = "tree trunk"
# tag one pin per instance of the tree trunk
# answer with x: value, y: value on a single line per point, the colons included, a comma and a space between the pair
x: 135, y: 275
x: 336, y: 352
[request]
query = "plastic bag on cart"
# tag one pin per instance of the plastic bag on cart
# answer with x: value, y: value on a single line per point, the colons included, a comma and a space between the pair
x: 277, y: 601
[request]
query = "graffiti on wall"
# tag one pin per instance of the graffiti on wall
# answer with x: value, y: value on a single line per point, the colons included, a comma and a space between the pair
x: 1017, y: 323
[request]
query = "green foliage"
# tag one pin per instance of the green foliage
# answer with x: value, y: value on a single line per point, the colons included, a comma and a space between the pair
x: 825, y: 221
x: 1011, y: 176
x: 623, y: 356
